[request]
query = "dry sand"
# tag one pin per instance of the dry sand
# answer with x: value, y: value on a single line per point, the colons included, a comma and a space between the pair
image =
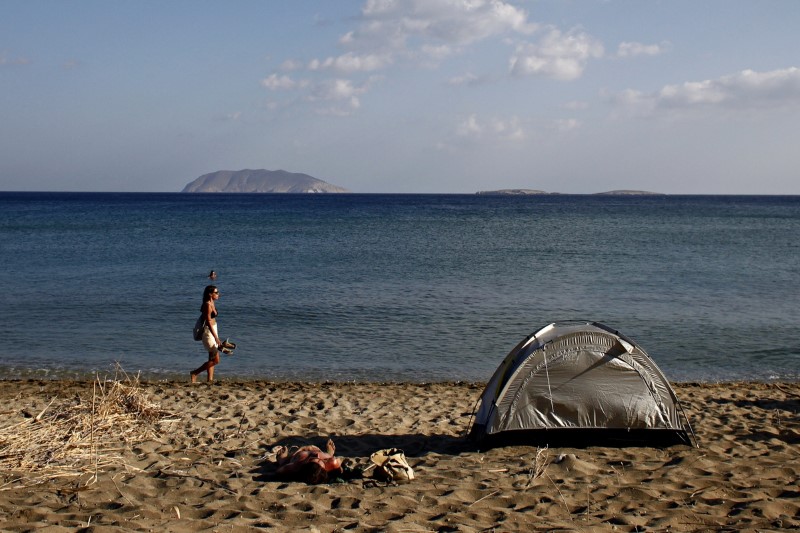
x: 210, y: 466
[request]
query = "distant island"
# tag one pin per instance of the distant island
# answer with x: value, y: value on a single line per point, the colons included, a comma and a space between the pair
x: 626, y: 192
x: 260, y: 181
x: 512, y: 192
x: 533, y: 192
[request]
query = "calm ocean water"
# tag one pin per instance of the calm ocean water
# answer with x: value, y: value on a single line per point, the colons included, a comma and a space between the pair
x: 395, y: 287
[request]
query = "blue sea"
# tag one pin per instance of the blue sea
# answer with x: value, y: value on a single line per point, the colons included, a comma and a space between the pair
x: 414, y: 288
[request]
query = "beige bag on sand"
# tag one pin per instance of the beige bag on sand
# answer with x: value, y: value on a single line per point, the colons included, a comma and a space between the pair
x: 391, y: 465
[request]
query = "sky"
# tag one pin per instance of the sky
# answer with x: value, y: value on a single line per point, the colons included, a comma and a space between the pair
x: 403, y: 96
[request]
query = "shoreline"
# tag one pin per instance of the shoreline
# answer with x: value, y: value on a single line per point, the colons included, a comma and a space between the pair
x: 209, y: 464
x: 176, y: 378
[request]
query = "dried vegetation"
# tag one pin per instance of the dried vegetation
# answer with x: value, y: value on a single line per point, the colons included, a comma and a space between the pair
x: 79, y: 436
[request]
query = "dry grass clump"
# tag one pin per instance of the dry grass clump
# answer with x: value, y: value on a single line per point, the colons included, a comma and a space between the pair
x: 79, y: 436
x: 539, y: 465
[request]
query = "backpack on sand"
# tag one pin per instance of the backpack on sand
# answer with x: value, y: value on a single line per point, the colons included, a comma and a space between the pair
x: 391, y: 465
x: 199, y: 326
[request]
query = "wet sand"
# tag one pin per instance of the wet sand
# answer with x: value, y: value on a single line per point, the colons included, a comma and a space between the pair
x: 210, y: 467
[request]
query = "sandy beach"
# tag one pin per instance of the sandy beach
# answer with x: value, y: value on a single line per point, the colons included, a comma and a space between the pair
x: 206, y: 464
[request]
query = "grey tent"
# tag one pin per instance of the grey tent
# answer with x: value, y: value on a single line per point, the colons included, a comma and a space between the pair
x: 579, y: 383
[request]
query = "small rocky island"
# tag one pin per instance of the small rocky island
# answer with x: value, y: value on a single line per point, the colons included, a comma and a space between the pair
x: 512, y: 192
x: 260, y: 181
x: 533, y: 192
x: 627, y: 192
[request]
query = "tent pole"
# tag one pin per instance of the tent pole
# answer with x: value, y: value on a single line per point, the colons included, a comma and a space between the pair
x: 547, y: 373
x: 471, y: 417
x: 685, y: 417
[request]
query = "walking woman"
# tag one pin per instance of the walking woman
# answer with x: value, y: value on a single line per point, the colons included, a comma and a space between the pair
x: 210, y: 336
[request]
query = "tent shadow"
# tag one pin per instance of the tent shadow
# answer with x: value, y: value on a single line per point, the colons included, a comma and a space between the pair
x: 768, y: 404
x: 786, y: 435
x: 787, y: 429
x: 579, y: 438
x: 792, y: 405
x: 360, y: 447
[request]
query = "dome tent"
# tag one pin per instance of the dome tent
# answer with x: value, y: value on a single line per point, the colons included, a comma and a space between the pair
x: 578, y: 384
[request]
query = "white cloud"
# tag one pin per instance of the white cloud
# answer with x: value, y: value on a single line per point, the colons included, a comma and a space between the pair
x: 493, y: 129
x: 275, y: 82
x: 335, y: 89
x: 8, y: 61
x: 466, y: 79
x: 567, y: 124
x: 290, y: 65
x: 632, y: 49
x: 230, y: 117
x: 557, y: 55
x: 340, y: 95
x: 469, y: 127
x: 343, y: 110
x: 576, y: 105
x: 509, y: 129
x: 350, y: 62
x: 425, y: 32
x: 438, y: 53
x: 747, y: 89
x: 392, y: 24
